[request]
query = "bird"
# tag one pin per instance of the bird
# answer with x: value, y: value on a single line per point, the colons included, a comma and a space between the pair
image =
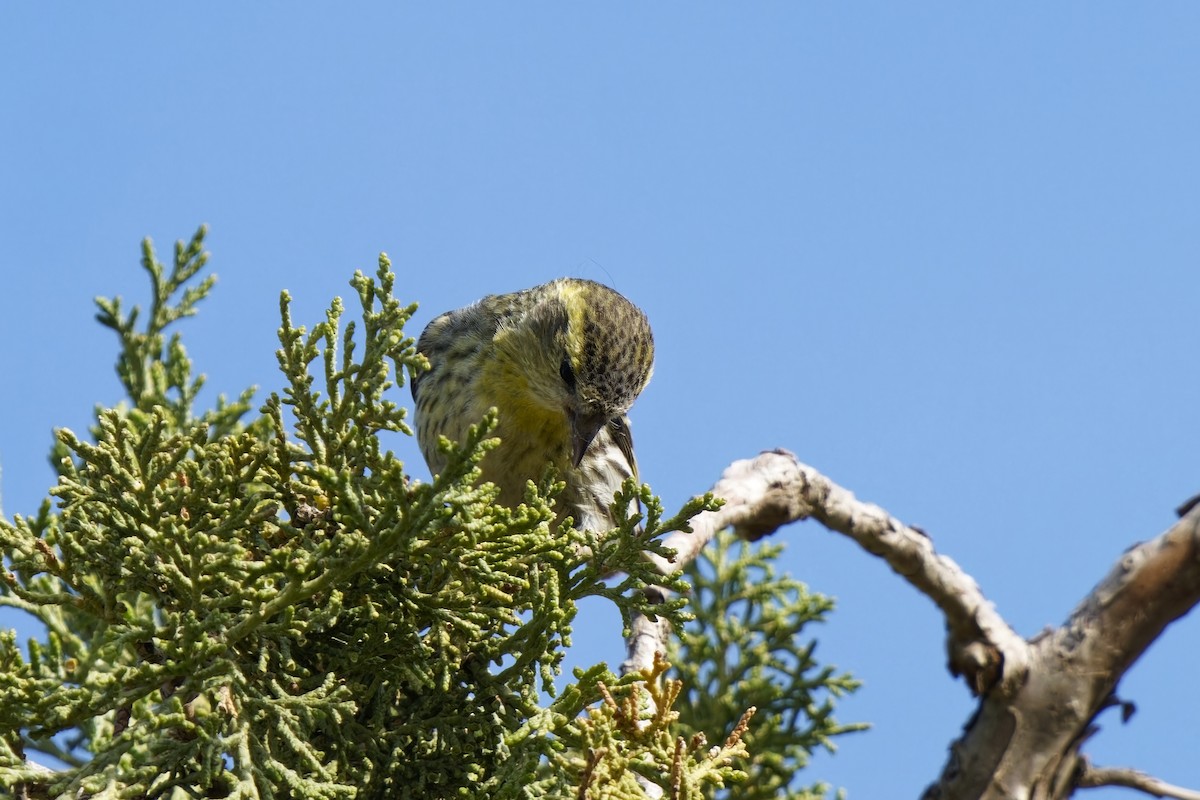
x: 562, y: 364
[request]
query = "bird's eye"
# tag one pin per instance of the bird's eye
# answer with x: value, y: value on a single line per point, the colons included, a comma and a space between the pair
x: 568, y: 374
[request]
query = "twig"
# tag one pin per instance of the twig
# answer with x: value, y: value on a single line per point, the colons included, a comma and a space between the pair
x: 1091, y: 777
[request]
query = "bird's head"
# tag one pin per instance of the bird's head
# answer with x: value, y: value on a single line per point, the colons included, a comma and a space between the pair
x: 601, y: 352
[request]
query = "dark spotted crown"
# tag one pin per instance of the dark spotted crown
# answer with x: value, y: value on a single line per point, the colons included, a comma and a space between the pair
x: 617, y: 355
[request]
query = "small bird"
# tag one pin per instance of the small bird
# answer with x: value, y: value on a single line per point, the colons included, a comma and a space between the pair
x: 561, y: 363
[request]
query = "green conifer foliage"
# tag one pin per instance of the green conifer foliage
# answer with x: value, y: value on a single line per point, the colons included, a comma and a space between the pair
x: 747, y: 647
x: 267, y: 606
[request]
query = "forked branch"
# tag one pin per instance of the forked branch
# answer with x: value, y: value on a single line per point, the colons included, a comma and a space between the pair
x: 1038, y: 698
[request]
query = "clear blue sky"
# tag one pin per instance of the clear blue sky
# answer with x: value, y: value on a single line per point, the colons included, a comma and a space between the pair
x: 947, y: 253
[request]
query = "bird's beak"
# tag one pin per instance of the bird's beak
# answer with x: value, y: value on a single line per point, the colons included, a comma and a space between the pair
x: 584, y: 428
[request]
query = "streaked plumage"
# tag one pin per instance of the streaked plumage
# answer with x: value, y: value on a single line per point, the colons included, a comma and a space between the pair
x: 562, y: 363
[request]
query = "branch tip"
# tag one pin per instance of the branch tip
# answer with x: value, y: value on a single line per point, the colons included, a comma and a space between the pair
x: 1093, y: 777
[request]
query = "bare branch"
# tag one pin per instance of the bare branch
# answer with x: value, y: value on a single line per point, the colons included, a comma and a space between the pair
x: 773, y: 489
x: 756, y: 502
x: 1032, y: 740
x: 759, y: 495
x: 758, y: 499
x: 1091, y: 777
x: 1151, y: 585
x: 646, y: 636
x: 1039, y: 698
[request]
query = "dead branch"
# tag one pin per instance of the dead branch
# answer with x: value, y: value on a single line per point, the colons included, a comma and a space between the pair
x: 1029, y: 745
x: 773, y: 489
x: 1038, y: 698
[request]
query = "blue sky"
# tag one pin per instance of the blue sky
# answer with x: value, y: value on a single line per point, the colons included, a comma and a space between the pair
x: 946, y: 253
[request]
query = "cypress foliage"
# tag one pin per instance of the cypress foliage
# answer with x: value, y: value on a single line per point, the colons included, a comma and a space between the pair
x: 265, y: 605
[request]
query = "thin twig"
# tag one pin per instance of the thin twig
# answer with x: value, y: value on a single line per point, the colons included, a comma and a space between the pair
x: 1092, y: 777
